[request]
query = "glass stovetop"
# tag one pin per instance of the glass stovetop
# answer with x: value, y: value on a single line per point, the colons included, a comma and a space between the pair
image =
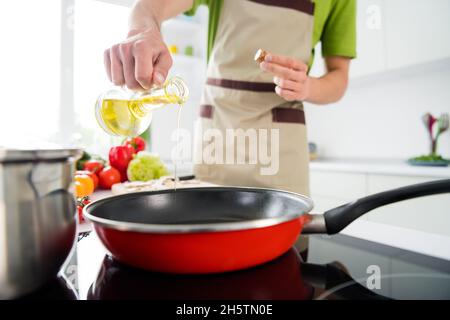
x: 338, y: 267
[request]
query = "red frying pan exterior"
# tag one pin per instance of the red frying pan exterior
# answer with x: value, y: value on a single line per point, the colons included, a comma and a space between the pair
x: 203, y: 252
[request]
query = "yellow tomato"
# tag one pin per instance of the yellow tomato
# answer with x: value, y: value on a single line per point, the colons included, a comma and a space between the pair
x: 84, y: 185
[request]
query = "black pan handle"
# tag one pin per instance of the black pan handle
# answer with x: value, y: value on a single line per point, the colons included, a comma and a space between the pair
x: 338, y: 218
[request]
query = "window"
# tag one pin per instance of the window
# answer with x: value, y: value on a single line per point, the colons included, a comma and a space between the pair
x: 30, y: 68
x: 52, y: 70
x: 98, y: 25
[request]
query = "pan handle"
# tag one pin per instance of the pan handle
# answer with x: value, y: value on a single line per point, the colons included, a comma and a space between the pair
x: 338, y: 218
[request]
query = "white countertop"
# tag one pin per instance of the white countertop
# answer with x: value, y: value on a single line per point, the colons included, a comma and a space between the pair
x: 378, y: 166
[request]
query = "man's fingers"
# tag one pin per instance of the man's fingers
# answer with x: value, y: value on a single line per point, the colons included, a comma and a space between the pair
x: 143, y: 64
x: 116, y: 66
x: 287, y: 62
x: 161, y: 67
x: 286, y: 94
x: 128, y: 67
x: 281, y: 72
x: 286, y: 84
x: 107, y: 62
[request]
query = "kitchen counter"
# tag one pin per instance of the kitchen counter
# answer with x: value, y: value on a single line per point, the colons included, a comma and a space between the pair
x: 374, y: 166
x: 338, y: 267
x: 378, y: 166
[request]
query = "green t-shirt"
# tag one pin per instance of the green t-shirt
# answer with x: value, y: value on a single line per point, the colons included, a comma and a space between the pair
x: 334, y: 25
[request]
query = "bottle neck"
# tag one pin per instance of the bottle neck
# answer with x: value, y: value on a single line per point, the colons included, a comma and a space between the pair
x: 173, y: 92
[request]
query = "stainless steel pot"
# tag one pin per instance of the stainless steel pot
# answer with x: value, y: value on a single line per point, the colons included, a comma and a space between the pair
x: 37, y: 217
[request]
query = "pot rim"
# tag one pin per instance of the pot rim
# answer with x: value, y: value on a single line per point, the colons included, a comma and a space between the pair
x: 194, y: 227
x: 30, y: 155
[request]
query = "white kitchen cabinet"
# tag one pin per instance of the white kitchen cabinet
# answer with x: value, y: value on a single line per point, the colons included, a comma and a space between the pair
x: 417, y: 32
x: 332, y: 189
x: 429, y: 214
x: 322, y: 203
x: 394, y: 34
x: 421, y: 224
x: 371, y: 49
x: 338, y: 185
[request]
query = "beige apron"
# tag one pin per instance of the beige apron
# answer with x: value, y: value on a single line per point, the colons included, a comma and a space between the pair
x: 239, y: 95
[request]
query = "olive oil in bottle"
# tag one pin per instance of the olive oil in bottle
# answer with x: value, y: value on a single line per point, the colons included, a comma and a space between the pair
x: 121, y: 114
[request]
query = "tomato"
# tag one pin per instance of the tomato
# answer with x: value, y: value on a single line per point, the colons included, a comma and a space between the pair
x: 84, y: 185
x: 137, y: 143
x: 120, y: 157
x: 81, y: 203
x: 92, y: 175
x: 108, y: 176
x: 80, y: 213
x: 94, y: 166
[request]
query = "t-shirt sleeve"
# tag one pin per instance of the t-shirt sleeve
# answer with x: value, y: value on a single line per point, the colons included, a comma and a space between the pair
x: 195, y: 5
x: 339, y: 33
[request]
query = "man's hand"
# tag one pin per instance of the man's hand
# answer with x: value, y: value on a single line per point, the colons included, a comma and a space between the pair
x: 143, y: 58
x: 140, y: 61
x: 293, y: 83
x: 290, y: 76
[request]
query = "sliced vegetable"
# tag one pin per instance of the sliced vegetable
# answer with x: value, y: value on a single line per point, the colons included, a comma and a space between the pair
x: 145, y: 167
x: 108, y: 176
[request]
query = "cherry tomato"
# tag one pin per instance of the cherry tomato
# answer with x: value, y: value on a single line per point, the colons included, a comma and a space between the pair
x: 80, y: 213
x: 120, y: 157
x: 108, y: 176
x: 137, y: 143
x: 93, y: 176
x: 81, y: 203
x: 84, y: 185
x: 94, y: 166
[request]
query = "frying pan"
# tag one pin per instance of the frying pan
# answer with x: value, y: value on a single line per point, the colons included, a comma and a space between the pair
x: 221, y: 229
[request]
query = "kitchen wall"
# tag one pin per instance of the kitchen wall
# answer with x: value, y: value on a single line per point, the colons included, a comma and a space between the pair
x: 380, y: 116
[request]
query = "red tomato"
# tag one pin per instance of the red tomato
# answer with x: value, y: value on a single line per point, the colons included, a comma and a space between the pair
x: 108, y: 176
x: 90, y: 174
x: 94, y: 166
x: 137, y: 143
x: 81, y: 203
x: 80, y: 214
x: 120, y: 157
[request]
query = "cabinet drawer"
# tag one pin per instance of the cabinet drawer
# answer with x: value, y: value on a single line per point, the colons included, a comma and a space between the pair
x: 338, y: 185
x: 429, y: 214
x: 322, y: 203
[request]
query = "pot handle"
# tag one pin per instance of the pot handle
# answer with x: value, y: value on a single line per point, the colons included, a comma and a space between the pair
x: 338, y: 218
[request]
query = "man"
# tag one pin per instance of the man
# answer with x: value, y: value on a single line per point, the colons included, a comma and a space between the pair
x: 239, y: 94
